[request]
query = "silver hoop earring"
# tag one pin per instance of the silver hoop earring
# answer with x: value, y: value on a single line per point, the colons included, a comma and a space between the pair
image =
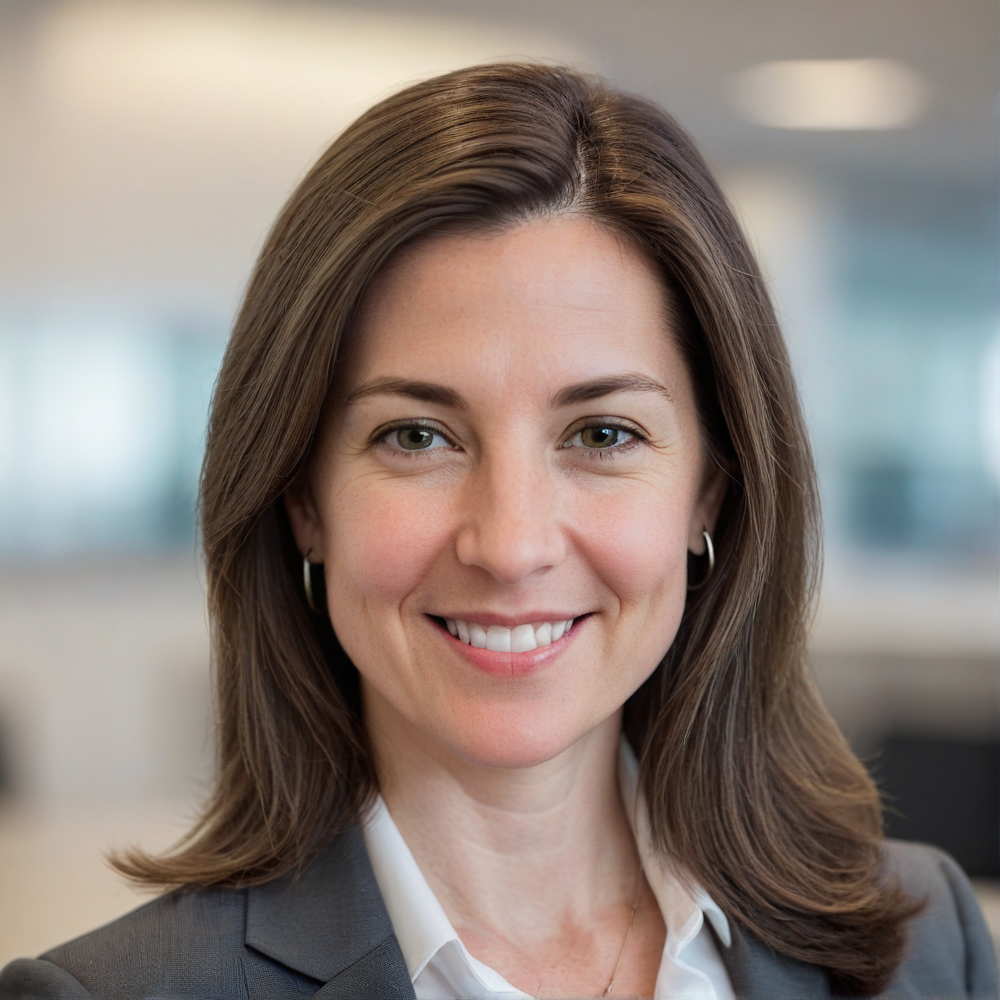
x: 307, y: 582
x: 710, y: 552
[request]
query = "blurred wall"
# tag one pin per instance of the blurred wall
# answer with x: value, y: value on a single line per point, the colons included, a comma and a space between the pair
x: 104, y: 688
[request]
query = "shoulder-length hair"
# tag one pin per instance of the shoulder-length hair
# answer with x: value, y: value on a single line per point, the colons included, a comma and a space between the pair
x: 751, y: 787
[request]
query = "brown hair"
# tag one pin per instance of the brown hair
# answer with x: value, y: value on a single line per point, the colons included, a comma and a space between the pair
x: 751, y: 786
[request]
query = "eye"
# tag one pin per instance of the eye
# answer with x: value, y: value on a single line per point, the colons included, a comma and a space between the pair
x: 415, y: 437
x: 602, y: 436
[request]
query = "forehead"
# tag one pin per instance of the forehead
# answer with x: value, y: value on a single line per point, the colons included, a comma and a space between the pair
x: 557, y: 296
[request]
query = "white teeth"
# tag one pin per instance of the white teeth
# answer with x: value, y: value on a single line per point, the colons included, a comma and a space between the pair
x: 520, y: 639
x: 498, y: 639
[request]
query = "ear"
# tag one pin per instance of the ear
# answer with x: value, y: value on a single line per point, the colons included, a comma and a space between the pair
x: 303, y: 514
x: 706, y: 510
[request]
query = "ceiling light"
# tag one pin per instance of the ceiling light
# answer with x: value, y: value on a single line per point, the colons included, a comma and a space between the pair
x: 828, y: 94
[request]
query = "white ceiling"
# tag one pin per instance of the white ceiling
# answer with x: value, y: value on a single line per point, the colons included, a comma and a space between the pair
x: 685, y: 53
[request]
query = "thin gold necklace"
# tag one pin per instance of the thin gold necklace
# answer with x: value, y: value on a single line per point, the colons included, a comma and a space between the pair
x: 628, y: 933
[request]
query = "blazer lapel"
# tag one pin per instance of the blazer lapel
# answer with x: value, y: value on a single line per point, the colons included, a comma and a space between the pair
x: 758, y: 973
x: 330, y: 923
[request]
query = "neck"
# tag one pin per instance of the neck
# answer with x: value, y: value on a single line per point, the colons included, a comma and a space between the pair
x: 509, y: 852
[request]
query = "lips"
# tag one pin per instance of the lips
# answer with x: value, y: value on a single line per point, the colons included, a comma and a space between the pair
x: 501, y: 639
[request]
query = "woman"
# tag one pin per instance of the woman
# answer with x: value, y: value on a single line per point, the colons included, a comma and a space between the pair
x: 510, y: 529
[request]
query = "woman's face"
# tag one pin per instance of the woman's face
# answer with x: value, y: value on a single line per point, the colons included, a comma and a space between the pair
x: 513, y: 445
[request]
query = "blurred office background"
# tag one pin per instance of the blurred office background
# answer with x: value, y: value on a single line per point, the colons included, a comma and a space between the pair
x: 145, y: 147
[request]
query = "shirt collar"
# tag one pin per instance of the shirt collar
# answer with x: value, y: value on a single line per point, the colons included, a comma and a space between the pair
x: 682, y: 901
x: 421, y: 925
x: 423, y: 928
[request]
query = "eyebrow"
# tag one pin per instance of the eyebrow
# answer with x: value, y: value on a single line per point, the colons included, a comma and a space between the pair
x: 426, y: 392
x: 583, y: 392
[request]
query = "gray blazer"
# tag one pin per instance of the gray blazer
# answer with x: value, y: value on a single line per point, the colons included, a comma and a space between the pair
x: 328, y: 935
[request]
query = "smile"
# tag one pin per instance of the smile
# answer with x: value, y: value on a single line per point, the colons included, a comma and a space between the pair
x: 500, y: 639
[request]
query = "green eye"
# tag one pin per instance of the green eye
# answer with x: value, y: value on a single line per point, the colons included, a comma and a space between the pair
x: 604, y: 440
x: 600, y: 437
x: 414, y: 438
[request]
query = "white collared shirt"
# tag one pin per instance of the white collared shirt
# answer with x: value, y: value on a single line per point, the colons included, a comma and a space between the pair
x: 441, y: 967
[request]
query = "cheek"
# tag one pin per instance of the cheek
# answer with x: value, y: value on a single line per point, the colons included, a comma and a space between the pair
x: 640, y: 550
x: 382, y: 542
x: 645, y: 563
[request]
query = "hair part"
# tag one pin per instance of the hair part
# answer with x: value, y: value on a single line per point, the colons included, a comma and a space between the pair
x: 751, y: 787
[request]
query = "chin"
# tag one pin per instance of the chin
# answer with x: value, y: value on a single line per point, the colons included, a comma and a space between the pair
x: 514, y: 736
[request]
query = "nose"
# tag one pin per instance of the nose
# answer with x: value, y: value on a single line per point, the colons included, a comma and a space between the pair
x: 510, y: 528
